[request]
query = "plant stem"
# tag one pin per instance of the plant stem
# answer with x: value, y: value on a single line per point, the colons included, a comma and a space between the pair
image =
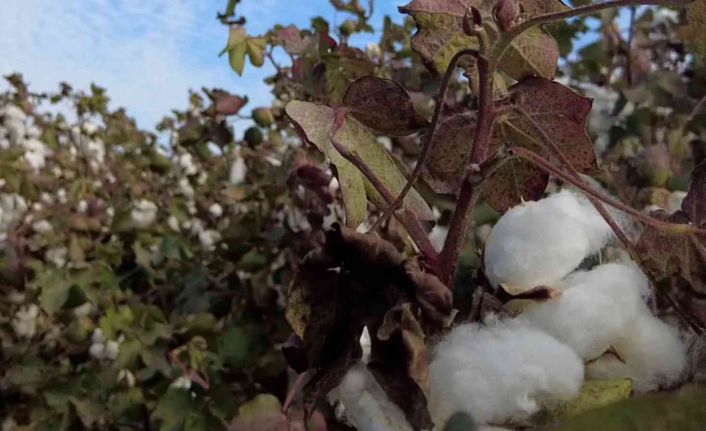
x: 408, y: 219
x: 546, y: 166
x: 468, y: 196
x: 428, y: 137
x: 507, y: 38
x: 631, y: 36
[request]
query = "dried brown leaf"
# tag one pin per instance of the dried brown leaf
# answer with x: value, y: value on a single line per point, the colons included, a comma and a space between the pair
x: 694, y: 204
x: 383, y: 105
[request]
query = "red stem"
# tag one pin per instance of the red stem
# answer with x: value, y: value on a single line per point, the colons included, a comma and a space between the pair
x: 408, y: 219
x: 461, y: 220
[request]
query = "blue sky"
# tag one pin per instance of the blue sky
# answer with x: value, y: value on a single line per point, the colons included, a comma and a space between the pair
x: 147, y: 53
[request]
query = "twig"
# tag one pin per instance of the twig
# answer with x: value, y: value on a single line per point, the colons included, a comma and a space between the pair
x: 543, y: 164
x: 428, y: 138
x: 505, y: 41
x: 631, y: 36
x: 467, y: 198
x: 408, y: 220
x: 694, y: 113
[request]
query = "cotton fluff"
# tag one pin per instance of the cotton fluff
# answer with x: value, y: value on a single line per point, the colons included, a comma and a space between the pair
x: 653, y: 353
x: 595, y: 308
x: 500, y: 372
x: 367, y: 407
x: 539, y: 243
x: 143, y: 213
x: 238, y: 171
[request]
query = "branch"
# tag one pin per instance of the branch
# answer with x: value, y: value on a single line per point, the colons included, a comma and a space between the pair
x: 547, y: 18
x: 546, y: 166
x: 408, y: 220
x: 428, y: 138
x: 458, y: 229
x: 694, y: 113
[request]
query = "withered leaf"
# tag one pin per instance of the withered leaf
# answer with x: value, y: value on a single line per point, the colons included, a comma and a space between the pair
x: 440, y: 36
x: 696, y: 22
x: 225, y: 103
x: 400, y: 340
x: 694, y: 204
x: 431, y: 292
x: 383, y: 105
x: 447, y: 162
x: 515, y: 181
x: 560, y: 112
x: 291, y: 40
x: 561, y: 115
x: 669, y: 253
x: 362, y: 252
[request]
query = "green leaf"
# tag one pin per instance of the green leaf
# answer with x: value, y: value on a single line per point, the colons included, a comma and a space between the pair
x: 594, y: 393
x: 660, y: 412
x: 236, y: 48
x: 55, y: 290
x: 315, y: 123
x: 234, y: 347
x: 256, y: 50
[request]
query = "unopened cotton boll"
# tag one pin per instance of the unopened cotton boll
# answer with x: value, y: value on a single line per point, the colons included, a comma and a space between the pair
x: 539, y: 243
x: 367, y: 407
x: 594, y: 309
x: 500, y: 372
x: 652, y: 355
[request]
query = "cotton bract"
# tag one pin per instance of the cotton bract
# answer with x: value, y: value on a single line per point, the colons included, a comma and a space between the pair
x: 500, y: 372
x: 539, y: 243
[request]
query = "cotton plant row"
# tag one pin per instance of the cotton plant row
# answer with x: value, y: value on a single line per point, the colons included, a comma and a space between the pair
x: 596, y: 325
x: 149, y: 230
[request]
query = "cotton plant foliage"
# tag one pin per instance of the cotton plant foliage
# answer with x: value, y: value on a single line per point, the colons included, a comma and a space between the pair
x: 539, y: 243
x: 500, y: 372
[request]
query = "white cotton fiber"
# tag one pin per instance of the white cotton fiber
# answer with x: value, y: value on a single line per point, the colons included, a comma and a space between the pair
x: 653, y: 353
x: 594, y: 309
x: 500, y: 372
x: 539, y: 243
x: 367, y: 407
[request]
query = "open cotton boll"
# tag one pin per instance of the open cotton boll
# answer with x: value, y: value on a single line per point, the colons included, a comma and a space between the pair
x: 500, y: 372
x: 653, y: 353
x: 539, y: 243
x: 594, y: 310
x: 367, y: 407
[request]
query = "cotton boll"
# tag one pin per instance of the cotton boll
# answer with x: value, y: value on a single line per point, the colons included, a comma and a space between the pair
x: 367, y: 407
x: 539, y: 243
x: 173, y: 223
x: 653, y: 353
x: 594, y: 309
x: 143, y: 213
x: 58, y: 256
x: 500, y: 372
x: 437, y: 236
x: 209, y: 238
x: 238, y: 171
x: 216, y: 209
